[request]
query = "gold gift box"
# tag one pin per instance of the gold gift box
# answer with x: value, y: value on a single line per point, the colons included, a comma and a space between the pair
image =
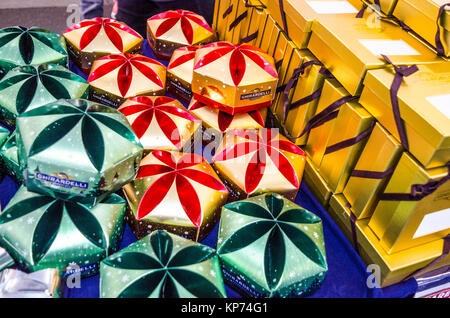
x: 221, y: 122
x: 301, y: 14
x: 179, y: 73
x: 270, y: 36
x: 239, y: 26
x: 256, y: 161
x: 386, y: 6
x: 352, y: 121
x: 91, y: 39
x: 234, y: 78
x: 349, y: 47
x: 257, y: 25
x: 170, y: 30
x: 404, y: 224
x: 160, y: 122
x: 116, y: 77
x: 317, y: 184
x: 168, y: 193
x: 424, y: 99
x: 394, y: 268
x: 421, y: 16
x: 380, y: 154
x: 308, y: 83
x: 319, y: 136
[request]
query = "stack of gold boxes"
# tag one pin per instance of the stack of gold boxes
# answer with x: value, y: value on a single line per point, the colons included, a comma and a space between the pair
x: 364, y: 89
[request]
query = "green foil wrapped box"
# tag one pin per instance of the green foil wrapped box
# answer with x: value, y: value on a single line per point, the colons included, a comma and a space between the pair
x: 42, y: 232
x: 271, y: 247
x: 162, y: 265
x: 34, y: 46
x: 8, y: 153
x: 4, y: 133
x: 78, y: 150
x: 27, y: 87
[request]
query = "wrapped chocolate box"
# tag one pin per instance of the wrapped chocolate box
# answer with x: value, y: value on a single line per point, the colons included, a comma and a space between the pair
x: 8, y: 153
x: 428, y: 18
x: 256, y: 25
x: 176, y: 192
x: 234, y: 78
x: 417, y: 201
x: 76, y: 149
x: 271, y: 247
x: 35, y: 228
x: 320, y: 125
x: 256, y: 161
x: 396, y: 267
x: 372, y: 172
x: 4, y: 133
x: 28, y: 87
x: 170, y: 30
x: 221, y: 122
x: 160, y: 122
x: 349, y: 47
x: 162, y: 265
x: 179, y: 73
x: 116, y: 77
x: 46, y: 283
x: 91, y: 39
x: 316, y: 184
x: 420, y: 103
x: 353, y: 126
x: 299, y: 15
x: 34, y: 46
x: 227, y: 14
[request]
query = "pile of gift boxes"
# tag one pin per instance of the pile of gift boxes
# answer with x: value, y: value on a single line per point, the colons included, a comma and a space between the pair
x: 364, y: 90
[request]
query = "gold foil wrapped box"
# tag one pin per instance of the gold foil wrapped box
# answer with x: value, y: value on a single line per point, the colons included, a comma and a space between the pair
x: 256, y: 161
x: 179, y: 73
x: 414, y: 208
x: 169, y: 193
x: 170, y: 30
x: 116, y: 77
x: 423, y: 102
x: 394, y: 268
x: 234, y: 78
x: 317, y: 184
x: 372, y: 172
x: 160, y: 122
x: 91, y: 39
x: 349, y: 47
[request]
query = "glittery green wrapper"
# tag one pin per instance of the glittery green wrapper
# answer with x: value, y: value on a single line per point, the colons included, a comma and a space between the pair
x: 8, y: 152
x: 271, y: 247
x: 27, y: 87
x: 162, y: 265
x: 77, y: 150
x: 4, y: 133
x: 34, y: 46
x: 42, y: 232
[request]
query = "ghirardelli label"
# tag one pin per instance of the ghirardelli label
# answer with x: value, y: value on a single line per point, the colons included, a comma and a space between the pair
x: 256, y: 94
x: 61, y: 180
x: 180, y: 88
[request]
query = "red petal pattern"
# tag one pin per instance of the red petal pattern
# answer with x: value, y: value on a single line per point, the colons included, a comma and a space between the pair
x: 152, y: 170
x: 148, y: 72
x: 169, y: 128
x: 142, y: 122
x: 89, y: 35
x: 114, y: 36
x: 124, y: 79
x: 255, y: 171
x: 181, y: 60
x: 165, y: 157
x: 224, y: 120
x: 203, y: 178
x: 166, y: 26
x: 189, y: 200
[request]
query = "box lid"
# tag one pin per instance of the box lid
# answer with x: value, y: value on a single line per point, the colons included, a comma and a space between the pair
x: 431, y: 9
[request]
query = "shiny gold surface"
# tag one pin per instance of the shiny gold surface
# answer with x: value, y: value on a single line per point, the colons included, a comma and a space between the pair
x: 427, y: 127
x: 396, y: 222
x: 381, y: 153
x: 317, y: 184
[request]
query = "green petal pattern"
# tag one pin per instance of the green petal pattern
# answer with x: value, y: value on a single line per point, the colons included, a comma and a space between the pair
x: 20, y: 46
x: 162, y: 265
x: 42, y: 232
x: 89, y: 147
x: 28, y: 87
x: 8, y: 153
x: 275, y: 245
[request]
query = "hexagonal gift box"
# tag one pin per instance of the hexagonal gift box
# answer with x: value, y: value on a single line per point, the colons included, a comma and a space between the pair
x: 179, y: 72
x: 162, y: 265
x: 91, y: 39
x: 34, y: 46
x: 39, y: 231
x: 234, y: 78
x: 160, y: 122
x: 76, y: 149
x: 270, y: 247
x: 256, y: 161
x: 177, y: 192
x: 27, y: 87
x: 173, y: 29
x: 116, y: 77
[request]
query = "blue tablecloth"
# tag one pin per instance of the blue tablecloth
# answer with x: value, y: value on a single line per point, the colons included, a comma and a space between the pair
x: 346, y: 275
